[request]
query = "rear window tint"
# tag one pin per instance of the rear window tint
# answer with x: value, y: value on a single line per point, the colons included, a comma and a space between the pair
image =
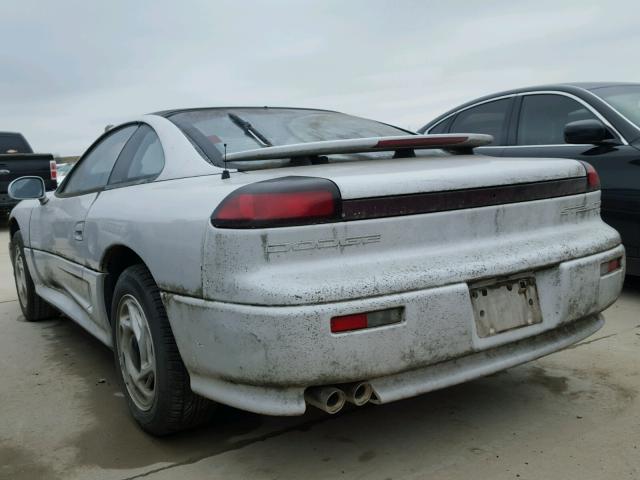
x: 543, y: 118
x: 488, y: 118
x: 13, y: 143
x: 442, y: 127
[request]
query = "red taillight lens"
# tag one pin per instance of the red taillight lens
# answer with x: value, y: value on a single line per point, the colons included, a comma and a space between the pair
x: 359, y: 321
x: 53, y: 169
x: 593, y: 179
x: 270, y: 206
x: 280, y: 202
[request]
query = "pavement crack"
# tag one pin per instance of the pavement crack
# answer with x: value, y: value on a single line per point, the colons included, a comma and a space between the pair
x: 241, y: 444
x: 591, y: 341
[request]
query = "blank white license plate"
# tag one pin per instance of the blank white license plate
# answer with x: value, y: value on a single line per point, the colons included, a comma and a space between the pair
x: 505, y: 305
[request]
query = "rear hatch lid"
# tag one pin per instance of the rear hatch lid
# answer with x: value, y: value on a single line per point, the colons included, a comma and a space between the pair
x: 408, y: 224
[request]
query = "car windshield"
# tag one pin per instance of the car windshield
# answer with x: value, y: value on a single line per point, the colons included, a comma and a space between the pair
x: 624, y: 98
x: 252, y: 128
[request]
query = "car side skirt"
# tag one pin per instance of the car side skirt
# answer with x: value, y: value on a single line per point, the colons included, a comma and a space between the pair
x: 79, y: 296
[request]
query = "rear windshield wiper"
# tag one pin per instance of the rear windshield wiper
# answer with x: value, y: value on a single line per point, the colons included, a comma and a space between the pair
x: 250, y: 130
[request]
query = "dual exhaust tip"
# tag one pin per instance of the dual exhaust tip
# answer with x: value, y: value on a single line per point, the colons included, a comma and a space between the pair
x: 332, y: 399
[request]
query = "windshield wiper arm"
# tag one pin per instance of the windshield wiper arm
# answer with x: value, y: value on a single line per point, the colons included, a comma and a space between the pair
x: 250, y: 130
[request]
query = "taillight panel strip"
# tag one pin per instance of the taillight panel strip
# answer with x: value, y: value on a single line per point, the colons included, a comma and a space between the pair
x: 413, y: 204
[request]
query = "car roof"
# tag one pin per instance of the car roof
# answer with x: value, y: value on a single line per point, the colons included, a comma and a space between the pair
x: 570, y: 87
x: 594, y: 85
x: 168, y: 113
x: 575, y: 88
x: 567, y: 86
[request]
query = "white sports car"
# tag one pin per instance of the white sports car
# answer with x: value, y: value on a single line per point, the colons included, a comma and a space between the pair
x: 271, y: 258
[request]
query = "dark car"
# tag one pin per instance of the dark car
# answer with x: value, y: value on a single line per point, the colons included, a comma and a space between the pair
x: 595, y: 122
x: 18, y: 160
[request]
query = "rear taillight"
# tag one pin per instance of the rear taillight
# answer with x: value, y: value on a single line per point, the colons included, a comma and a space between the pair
x: 360, y: 321
x: 593, y: 179
x: 53, y: 169
x: 281, y: 202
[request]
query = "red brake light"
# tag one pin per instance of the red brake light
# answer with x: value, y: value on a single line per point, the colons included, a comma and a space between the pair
x: 280, y: 202
x: 593, y: 179
x: 421, y: 141
x: 53, y: 169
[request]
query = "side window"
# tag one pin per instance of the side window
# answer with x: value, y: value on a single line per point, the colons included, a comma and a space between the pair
x: 442, y: 127
x: 486, y: 118
x: 142, y: 158
x: 93, y: 170
x: 543, y: 118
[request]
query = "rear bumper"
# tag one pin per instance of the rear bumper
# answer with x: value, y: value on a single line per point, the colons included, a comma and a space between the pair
x: 272, y: 400
x: 261, y: 358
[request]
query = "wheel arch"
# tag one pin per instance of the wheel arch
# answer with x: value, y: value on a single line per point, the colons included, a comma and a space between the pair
x: 116, y: 259
x: 14, y: 226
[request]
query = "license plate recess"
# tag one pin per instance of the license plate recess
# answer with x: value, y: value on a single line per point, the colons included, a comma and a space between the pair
x: 506, y: 304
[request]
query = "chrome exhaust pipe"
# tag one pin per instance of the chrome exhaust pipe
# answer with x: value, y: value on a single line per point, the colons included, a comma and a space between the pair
x: 358, y: 393
x: 327, y: 399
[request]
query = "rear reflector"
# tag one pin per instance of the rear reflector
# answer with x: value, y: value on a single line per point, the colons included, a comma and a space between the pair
x: 53, y: 169
x: 280, y: 202
x: 360, y: 321
x: 611, y: 266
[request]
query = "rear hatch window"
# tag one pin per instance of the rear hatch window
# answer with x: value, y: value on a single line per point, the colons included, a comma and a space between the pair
x: 243, y: 129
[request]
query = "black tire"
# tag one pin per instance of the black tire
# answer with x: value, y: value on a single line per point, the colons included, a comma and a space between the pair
x: 174, y: 406
x: 33, y: 307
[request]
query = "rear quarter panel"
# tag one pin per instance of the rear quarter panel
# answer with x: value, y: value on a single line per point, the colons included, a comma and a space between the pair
x: 163, y: 222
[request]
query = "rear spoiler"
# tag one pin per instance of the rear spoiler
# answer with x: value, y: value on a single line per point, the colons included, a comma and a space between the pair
x: 465, y: 142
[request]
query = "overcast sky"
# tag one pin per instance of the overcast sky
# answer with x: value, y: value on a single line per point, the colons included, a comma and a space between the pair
x: 68, y: 68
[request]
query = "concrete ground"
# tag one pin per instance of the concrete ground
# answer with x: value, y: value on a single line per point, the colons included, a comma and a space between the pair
x: 572, y: 415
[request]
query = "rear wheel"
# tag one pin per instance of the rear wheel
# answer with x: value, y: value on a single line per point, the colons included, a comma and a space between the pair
x: 153, y: 376
x: 33, y: 307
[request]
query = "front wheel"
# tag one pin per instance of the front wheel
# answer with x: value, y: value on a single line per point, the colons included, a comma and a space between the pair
x: 33, y: 307
x: 153, y: 376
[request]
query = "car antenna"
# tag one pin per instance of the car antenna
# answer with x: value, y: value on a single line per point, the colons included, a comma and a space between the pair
x: 225, y: 172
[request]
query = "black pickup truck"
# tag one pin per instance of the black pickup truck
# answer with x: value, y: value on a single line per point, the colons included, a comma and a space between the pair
x: 18, y: 160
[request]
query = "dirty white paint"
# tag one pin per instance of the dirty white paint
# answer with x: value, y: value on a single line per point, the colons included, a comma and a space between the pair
x: 252, y: 321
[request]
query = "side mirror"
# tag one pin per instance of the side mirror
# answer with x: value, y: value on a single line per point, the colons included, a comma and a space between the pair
x: 586, y: 131
x: 28, y: 188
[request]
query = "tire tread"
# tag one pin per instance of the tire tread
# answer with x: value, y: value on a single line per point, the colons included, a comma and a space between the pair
x: 37, y: 308
x: 185, y: 408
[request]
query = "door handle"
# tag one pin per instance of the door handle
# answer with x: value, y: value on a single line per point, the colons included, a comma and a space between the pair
x: 78, y: 231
